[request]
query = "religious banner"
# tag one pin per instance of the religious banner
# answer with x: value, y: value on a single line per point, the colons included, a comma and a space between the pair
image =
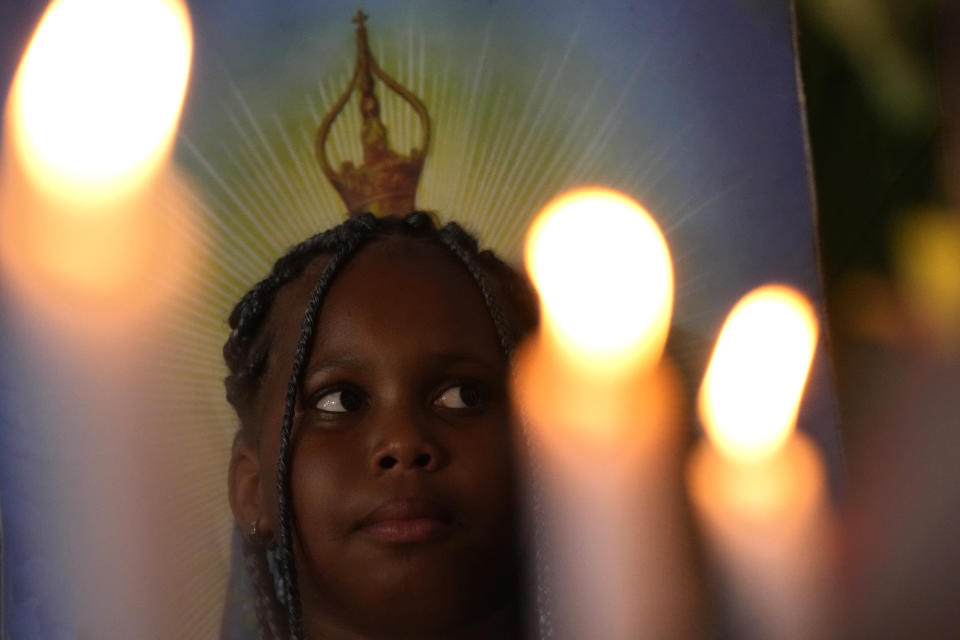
x: 475, y: 112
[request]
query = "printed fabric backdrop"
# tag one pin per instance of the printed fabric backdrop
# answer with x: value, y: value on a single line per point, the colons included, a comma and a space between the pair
x: 692, y: 107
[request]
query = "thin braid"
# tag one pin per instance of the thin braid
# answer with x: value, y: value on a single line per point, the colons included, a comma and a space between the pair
x: 360, y: 233
x: 464, y: 247
x: 257, y: 301
x: 271, y: 619
x: 249, y: 313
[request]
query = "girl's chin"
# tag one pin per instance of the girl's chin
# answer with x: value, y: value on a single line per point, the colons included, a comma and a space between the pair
x: 415, y: 600
x: 427, y: 623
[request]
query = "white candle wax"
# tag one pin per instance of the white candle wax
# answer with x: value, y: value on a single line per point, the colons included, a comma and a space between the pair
x: 89, y: 249
x: 758, y: 487
x: 601, y: 415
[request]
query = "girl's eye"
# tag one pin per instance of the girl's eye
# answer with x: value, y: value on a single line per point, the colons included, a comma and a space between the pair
x: 340, y: 401
x: 460, y: 396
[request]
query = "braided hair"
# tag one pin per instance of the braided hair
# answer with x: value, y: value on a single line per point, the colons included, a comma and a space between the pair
x: 506, y: 295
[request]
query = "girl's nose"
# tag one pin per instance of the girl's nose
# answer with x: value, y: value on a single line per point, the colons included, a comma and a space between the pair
x: 422, y: 460
x: 403, y: 445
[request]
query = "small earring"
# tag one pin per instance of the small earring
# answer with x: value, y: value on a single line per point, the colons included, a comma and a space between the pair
x: 254, y: 527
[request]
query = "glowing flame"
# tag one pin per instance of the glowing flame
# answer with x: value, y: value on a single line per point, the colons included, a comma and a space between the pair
x: 752, y: 389
x: 91, y: 116
x: 98, y: 94
x: 603, y: 271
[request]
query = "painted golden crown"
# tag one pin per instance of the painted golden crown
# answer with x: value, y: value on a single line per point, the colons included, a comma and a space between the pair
x: 386, y: 183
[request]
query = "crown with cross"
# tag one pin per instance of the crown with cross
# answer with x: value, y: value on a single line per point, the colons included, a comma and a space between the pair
x: 386, y: 182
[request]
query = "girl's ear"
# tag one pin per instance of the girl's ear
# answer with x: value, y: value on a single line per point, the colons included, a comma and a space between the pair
x: 243, y: 486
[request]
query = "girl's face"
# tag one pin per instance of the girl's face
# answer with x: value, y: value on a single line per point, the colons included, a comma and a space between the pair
x: 402, y: 476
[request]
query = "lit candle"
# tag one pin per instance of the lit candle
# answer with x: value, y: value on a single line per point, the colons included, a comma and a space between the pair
x: 89, y: 247
x: 758, y: 486
x: 601, y: 420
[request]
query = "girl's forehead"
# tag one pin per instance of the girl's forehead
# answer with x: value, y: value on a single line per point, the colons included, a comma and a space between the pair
x: 395, y: 267
x: 374, y: 259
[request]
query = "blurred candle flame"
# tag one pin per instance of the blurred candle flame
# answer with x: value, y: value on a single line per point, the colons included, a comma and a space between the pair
x: 602, y: 414
x: 751, y: 392
x: 92, y: 114
x: 927, y: 253
x: 602, y: 268
x: 98, y: 93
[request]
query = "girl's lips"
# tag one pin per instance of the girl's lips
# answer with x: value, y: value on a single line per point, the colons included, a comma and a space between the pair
x: 407, y: 520
x: 407, y: 531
